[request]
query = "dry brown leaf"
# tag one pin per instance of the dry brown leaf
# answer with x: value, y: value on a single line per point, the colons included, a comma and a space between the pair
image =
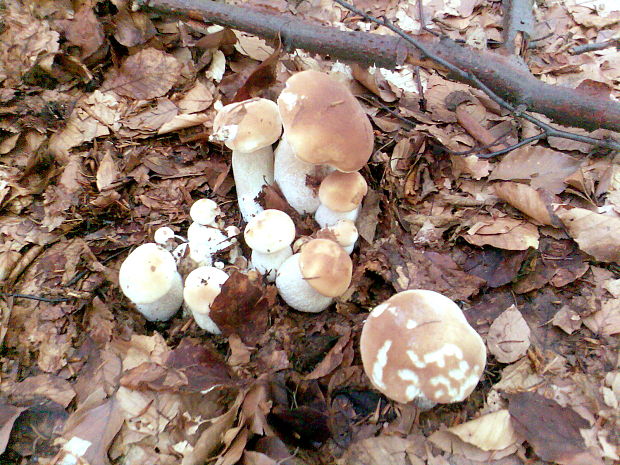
x: 84, y: 31
x: 597, y: 234
x: 153, y: 118
x: 49, y: 386
x: 526, y: 199
x: 607, y: 320
x: 492, y: 432
x: 384, y: 450
x: 471, y: 165
x: 567, y: 319
x: 198, y: 98
x: 148, y: 74
x: 95, y: 117
x: 182, y: 122
x: 133, y: 27
x: 552, y: 430
x: 504, y: 233
x: 252, y: 46
x: 96, y: 422
x: 545, y: 168
x: 107, y: 173
x: 509, y: 336
x: 8, y: 415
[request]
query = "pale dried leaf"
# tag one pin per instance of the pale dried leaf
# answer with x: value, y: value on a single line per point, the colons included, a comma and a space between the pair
x: 182, y: 122
x: 545, y: 168
x: 107, y: 173
x: 252, y: 46
x: 596, y: 234
x: 492, y: 431
x: 384, y: 450
x: 504, y: 233
x: 526, y: 199
x: 199, y: 98
x: 607, y: 320
x: 153, y: 118
x: 567, y: 319
x: 509, y: 336
x: 471, y: 165
x: 148, y: 74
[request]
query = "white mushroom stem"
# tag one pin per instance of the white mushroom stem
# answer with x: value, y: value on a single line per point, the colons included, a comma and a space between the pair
x: 296, y: 291
x: 252, y: 171
x: 204, y: 242
x: 268, y: 264
x: 327, y: 217
x: 291, y: 174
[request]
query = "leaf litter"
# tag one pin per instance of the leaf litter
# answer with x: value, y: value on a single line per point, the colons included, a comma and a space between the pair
x: 100, y: 144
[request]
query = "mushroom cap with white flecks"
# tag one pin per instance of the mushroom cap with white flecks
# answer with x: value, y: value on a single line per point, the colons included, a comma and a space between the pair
x: 249, y: 125
x: 418, y: 345
x: 269, y: 231
x: 324, y: 123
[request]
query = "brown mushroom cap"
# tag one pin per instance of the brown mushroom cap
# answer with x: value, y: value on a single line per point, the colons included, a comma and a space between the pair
x: 343, y: 192
x: 324, y: 123
x: 326, y: 267
x: 417, y: 344
x: 249, y: 125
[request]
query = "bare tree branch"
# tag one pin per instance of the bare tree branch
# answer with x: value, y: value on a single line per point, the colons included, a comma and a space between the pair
x: 509, y: 80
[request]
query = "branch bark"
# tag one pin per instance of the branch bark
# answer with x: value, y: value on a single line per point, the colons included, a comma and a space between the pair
x: 507, y: 76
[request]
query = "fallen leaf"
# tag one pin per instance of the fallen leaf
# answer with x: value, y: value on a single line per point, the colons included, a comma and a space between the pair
x: 384, y: 450
x: 133, y: 27
x: 552, y: 430
x: 148, y: 74
x: 242, y: 308
x: 509, y: 336
x: 198, y: 98
x: 544, y: 168
x: 504, y: 233
x: 107, y: 173
x: 84, y: 31
x: 8, y: 415
x: 261, y: 78
x: 526, y: 199
x: 607, y: 320
x: 596, y: 234
x: 567, y: 319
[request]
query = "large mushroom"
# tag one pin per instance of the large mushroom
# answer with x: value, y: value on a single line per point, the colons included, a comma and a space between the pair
x: 325, y: 126
x: 149, y: 278
x: 417, y: 346
x: 309, y: 280
x: 249, y: 128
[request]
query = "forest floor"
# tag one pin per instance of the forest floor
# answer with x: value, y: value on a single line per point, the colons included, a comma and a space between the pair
x: 105, y: 117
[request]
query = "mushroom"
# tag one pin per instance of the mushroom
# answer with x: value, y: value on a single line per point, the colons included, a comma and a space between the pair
x: 309, y: 280
x: 324, y: 125
x: 343, y: 232
x: 202, y: 286
x: 341, y: 196
x: 417, y: 346
x: 149, y: 278
x: 205, y: 212
x: 269, y: 234
x: 249, y: 128
x: 204, y: 242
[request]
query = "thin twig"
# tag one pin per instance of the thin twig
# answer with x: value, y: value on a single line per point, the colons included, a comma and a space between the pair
x: 579, y: 49
x: 34, y: 297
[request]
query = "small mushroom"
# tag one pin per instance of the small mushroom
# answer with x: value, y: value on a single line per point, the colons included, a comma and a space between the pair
x: 417, y: 346
x: 249, y: 128
x: 341, y: 196
x: 309, y: 280
x: 202, y: 286
x: 343, y: 232
x: 149, y: 278
x: 269, y: 234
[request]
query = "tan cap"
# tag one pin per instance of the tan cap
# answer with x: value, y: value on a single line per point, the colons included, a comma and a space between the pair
x: 418, y: 345
x: 324, y: 123
x: 326, y: 267
x: 343, y: 192
x: 249, y: 125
